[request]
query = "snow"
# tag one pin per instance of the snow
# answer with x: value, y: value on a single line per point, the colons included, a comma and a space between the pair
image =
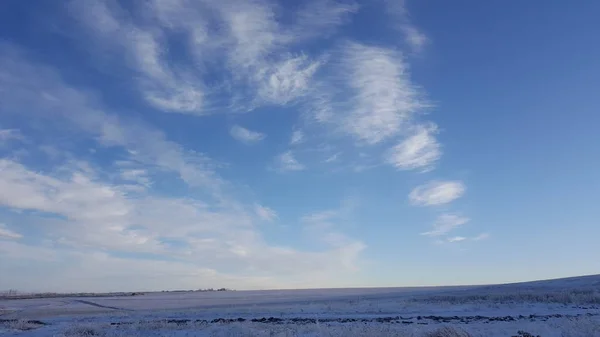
x: 566, y: 308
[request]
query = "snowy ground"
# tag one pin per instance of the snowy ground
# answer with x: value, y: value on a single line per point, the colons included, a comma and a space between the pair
x: 565, y: 308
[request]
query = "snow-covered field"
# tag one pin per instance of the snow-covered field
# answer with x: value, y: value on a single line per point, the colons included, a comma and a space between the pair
x: 566, y: 308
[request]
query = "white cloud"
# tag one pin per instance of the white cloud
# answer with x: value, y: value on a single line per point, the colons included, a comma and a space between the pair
x: 436, y: 193
x: 99, y: 215
x: 419, y: 151
x: 482, y: 236
x: 325, y: 226
x: 384, y: 97
x: 10, y: 134
x: 284, y: 82
x: 287, y: 162
x: 245, y: 135
x: 41, y: 93
x: 369, y: 94
x: 98, y: 271
x: 265, y: 213
x: 297, y: 137
x: 333, y: 157
x: 456, y: 239
x: 161, y: 86
x: 413, y: 37
x: 139, y: 176
x: 234, y: 55
x: 321, y: 18
x: 6, y: 233
x: 253, y: 44
x: 446, y: 223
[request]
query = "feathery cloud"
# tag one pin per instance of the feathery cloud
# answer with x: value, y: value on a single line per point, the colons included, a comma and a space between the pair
x: 446, y: 223
x: 287, y: 162
x: 41, y: 93
x: 6, y: 233
x: 325, y: 225
x: 321, y: 18
x: 245, y: 135
x: 265, y: 213
x: 419, y: 151
x: 197, y: 58
x: 384, y: 97
x: 456, y: 239
x: 10, y: 134
x: 162, y: 87
x: 436, y: 193
x: 285, y: 81
x: 482, y: 236
x: 333, y: 157
x: 139, y: 176
x: 414, y: 38
x: 297, y: 137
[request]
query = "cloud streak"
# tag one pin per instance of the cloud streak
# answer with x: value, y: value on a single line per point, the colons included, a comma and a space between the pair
x: 383, y: 99
x: 6, y: 233
x: 10, y: 134
x: 245, y: 135
x: 97, y: 210
x: 265, y: 213
x: 44, y: 94
x: 161, y: 86
x: 288, y: 162
x: 436, y: 193
x: 420, y: 150
x: 445, y: 223
x: 120, y: 182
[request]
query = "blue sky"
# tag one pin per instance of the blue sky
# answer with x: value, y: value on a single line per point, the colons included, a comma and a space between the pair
x: 149, y: 145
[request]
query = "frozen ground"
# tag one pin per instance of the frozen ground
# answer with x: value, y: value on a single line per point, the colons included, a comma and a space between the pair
x: 565, y: 308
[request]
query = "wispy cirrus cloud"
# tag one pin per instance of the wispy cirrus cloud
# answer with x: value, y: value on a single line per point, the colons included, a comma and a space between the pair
x: 265, y: 213
x: 107, y: 215
x: 199, y: 58
x: 245, y: 135
x: 413, y: 37
x: 10, y: 134
x: 436, y: 193
x: 43, y: 93
x: 333, y: 157
x: 138, y: 176
x: 383, y: 99
x: 6, y: 233
x: 286, y: 81
x: 103, y: 215
x: 242, y: 39
x: 456, y: 239
x: 99, y: 210
x: 167, y: 88
x: 482, y: 236
x: 420, y: 150
x: 321, y: 18
x: 288, y: 162
x: 297, y: 137
x: 445, y: 223
x: 325, y: 225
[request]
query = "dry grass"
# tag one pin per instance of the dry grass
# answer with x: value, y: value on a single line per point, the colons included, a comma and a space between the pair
x: 83, y: 331
x: 447, y: 331
x: 580, y: 297
x: 20, y: 324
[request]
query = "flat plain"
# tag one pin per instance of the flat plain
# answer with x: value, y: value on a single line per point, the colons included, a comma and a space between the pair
x: 554, y: 308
